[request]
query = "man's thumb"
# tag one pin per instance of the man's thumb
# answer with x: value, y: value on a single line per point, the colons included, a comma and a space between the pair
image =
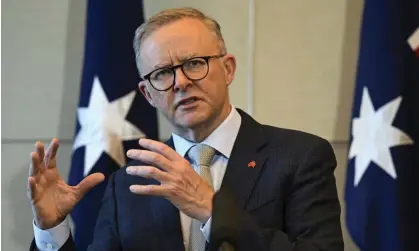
x: 89, y: 182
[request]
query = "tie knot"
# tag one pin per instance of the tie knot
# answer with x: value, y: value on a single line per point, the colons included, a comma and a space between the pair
x: 201, y: 154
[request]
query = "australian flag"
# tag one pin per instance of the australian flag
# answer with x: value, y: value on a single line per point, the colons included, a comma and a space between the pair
x: 382, y: 200
x: 112, y: 115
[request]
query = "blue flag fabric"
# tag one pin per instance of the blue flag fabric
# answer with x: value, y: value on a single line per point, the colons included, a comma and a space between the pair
x: 112, y: 114
x: 382, y: 202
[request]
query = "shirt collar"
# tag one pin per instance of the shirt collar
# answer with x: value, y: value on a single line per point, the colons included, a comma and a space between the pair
x: 221, y: 139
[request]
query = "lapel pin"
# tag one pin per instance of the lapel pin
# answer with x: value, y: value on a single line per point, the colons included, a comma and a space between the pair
x: 251, y: 164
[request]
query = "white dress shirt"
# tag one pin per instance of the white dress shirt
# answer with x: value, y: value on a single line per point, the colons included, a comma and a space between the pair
x: 221, y: 139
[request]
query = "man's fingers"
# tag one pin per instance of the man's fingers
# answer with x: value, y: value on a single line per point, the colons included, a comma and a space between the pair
x: 39, y: 148
x: 149, y: 172
x: 89, y: 182
x: 51, y: 153
x: 151, y: 158
x: 35, y: 167
x: 149, y: 190
x: 31, y: 187
x: 32, y: 165
x: 159, y: 147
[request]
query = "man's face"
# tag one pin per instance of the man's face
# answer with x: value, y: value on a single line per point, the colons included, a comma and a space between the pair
x: 174, y: 44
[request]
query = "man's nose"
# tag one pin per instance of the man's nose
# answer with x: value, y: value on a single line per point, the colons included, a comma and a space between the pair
x: 181, y: 81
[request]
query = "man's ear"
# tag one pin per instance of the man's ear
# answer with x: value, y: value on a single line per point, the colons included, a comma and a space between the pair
x: 230, y: 68
x: 144, y: 90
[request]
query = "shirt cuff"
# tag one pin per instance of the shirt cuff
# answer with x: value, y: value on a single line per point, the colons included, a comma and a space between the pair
x: 51, y: 239
x: 206, y: 229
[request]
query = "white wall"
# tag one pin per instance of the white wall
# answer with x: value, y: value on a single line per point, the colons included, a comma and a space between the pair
x: 305, y: 59
x: 304, y: 69
x: 42, y: 51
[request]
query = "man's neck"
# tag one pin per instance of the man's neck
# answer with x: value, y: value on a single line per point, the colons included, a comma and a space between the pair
x: 201, y: 132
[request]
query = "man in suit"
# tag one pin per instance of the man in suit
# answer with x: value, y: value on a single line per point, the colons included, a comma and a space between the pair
x: 280, y: 183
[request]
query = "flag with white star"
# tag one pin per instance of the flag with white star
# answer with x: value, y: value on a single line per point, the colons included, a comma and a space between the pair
x: 112, y: 114
x: 382, y: 200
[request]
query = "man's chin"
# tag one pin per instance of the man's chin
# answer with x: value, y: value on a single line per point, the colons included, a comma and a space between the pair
x: 192, y: 121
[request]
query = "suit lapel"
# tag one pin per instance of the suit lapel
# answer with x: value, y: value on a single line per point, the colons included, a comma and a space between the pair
x: 168, y: 220
x: 240, y: 177
x: 246, y: 160
x: 167, y: 217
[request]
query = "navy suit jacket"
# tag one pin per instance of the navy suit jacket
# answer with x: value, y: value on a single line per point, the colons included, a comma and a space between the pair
x: 287, y: 201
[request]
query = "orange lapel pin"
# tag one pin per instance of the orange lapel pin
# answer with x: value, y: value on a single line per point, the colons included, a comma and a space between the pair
x: 251, y: 164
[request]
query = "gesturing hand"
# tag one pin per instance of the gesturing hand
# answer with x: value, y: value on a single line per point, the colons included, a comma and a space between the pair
x: 50, y: 197
x: 179, y: 182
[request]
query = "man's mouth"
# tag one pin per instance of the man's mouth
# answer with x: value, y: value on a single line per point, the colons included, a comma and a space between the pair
x: 187, y: 101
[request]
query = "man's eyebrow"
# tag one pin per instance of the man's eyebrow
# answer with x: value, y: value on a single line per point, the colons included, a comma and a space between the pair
x: 186, y: 57
x: 162, y: 65
x: 180, y: 59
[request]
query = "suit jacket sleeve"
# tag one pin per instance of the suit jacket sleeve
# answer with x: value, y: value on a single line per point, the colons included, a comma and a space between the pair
x: 312, y: 213
x: 106, y: 236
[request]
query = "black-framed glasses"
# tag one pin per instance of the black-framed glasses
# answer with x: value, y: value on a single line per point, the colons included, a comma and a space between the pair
x: 195, y: 68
